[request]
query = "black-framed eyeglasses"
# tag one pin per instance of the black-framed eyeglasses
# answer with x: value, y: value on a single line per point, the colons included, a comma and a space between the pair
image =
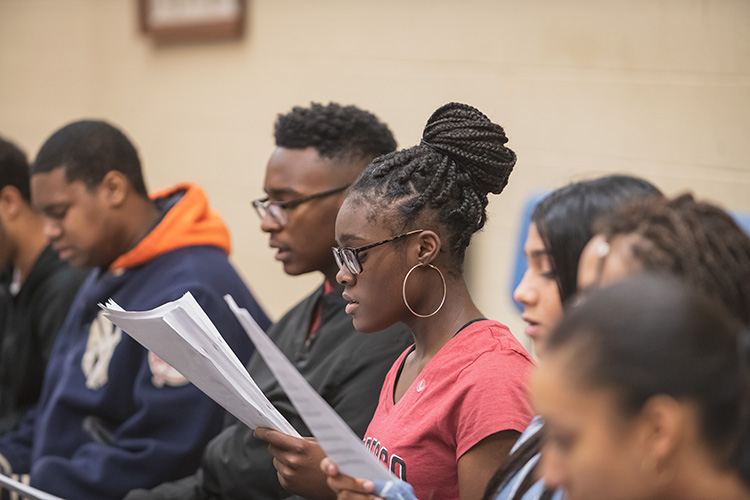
x: 349, y: 257
x: 277, y: 210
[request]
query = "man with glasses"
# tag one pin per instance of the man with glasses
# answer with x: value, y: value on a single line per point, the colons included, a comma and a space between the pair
x: 321, y: 149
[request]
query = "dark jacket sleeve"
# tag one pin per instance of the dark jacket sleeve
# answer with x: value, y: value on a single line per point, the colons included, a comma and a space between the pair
x: 15, y: 447
x: 188, y: 488
x: 362, y: 377
x: 51, y: 306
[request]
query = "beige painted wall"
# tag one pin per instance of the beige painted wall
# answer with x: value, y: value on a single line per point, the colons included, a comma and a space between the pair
x: 660, y: 88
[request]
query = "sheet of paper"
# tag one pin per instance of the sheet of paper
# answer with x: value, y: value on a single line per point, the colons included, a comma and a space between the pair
x: 334, y: 435
x: 28, y: 491
x: 183, y: 336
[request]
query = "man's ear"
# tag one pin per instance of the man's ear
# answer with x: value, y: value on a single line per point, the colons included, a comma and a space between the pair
x: 429, y: 246
x: 11, y: 202
x: 115, y: 188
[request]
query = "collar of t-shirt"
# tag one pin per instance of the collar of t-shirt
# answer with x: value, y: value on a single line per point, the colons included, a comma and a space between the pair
x: 315, y: 320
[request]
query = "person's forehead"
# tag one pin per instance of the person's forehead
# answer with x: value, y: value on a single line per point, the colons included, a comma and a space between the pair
x: 52, y: 186
x: 588, y: 266
x: 556, y: 385
x: 297, y: 169
x: 353, y: 225
x: 49, y: 182
x: 350, y: 215
x: 534, y: 246
x: 533, y: 239
x: 620, y: 262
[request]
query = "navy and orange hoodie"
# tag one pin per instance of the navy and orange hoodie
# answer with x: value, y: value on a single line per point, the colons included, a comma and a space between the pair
x: 112, y: 416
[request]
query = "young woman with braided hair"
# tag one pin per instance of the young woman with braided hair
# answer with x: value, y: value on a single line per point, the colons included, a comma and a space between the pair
x: 561, y: 226
x: 441, y: 422
x: 704, y: 247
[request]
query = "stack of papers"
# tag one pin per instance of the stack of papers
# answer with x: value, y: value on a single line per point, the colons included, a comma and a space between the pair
x: 182, y: 335
x: 28, y: 492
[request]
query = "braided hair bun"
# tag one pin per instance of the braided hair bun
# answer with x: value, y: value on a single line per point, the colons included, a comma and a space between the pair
x: 475, y: 144
x: 461, y: 159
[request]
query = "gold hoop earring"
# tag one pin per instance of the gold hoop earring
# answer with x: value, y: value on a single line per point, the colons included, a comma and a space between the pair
x: 403, y: 291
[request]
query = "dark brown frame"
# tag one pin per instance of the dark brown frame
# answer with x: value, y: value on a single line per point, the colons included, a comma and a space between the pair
x: 233, y: 29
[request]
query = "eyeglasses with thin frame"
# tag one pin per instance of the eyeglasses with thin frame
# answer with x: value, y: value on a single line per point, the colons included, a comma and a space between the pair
x: 349, y: 257
x: 277, y: 210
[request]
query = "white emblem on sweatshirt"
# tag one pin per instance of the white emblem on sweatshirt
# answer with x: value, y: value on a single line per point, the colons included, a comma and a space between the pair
x: 104, y: 337
x: 164, y: 373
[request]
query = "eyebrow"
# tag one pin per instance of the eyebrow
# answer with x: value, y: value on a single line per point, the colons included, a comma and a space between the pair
x: 347, y: 239
x: 49, y: 207
x: 281, y: 192
x: 534, y: 254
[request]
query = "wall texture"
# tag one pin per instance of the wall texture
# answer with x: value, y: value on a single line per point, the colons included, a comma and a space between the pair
x: 659, y: 88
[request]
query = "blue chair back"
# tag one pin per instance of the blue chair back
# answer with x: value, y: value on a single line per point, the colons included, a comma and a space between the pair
x: 743, y: 219
x: 519, y: 262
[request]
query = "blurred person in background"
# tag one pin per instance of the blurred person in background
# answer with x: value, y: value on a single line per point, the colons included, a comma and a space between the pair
x: 696, y: 240
x: 561, y: 226
x: 111, y: 415
x: 36, y: 290
x: 645, y: 393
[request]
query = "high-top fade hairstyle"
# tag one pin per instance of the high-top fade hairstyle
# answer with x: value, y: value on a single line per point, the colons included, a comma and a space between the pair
x: 346, y: 134
x: 14, y: 169
x: 695, y: 240
x: 565, y: 218
x: 88, y: 150
x: 650, y: 335
x: 461, y: 159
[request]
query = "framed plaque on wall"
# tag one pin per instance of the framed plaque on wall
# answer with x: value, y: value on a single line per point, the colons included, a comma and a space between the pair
x: 192, y: 20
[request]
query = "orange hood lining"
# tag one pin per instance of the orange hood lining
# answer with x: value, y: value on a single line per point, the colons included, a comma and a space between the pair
x: 190, y: 222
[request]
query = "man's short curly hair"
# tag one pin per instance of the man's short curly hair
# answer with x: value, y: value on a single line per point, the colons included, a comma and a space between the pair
x: 341, y: 133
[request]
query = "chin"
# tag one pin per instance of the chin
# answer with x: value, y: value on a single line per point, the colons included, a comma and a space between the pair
x: 538, y: 346
x: 292, y: 270
x: 367, y: 327
x: 361, y: 328
x: 79, y: 262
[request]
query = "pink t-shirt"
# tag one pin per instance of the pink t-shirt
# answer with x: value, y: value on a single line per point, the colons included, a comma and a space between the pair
x: 472, y: 388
